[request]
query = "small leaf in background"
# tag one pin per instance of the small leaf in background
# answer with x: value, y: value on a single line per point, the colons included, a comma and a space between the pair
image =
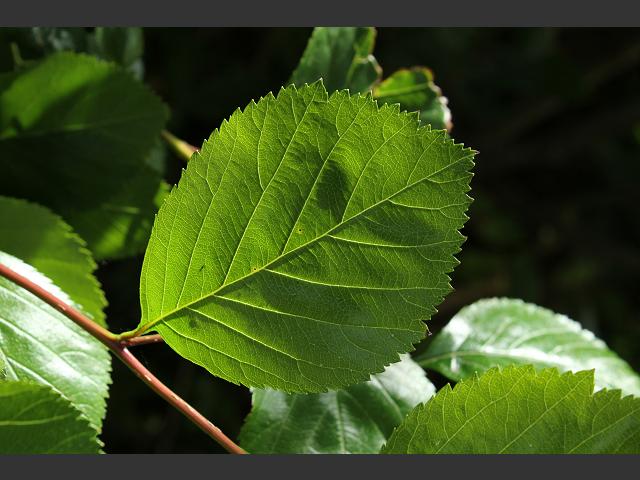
x: 307, y: 241
x: 157, y: 159
x: 414, y: 90
x: 34, y: 419
x: 517, y: 410
x: 342, y: 57
x: 42, y: 239
x: 54, y: 39
x: 80, y: 129
x: 358, y: 419
x: 39, y: 344
x: 124, y: 46
x: 121, y: 45
x: 19, y: 47
x: 500, y: 332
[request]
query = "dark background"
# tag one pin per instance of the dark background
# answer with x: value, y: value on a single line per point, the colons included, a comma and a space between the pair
x: 555, y: 114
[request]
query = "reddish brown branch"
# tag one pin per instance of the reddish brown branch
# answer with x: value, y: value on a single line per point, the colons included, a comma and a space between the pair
x: 119, y: 349
x: 178, y: 403
x: 101, y: 333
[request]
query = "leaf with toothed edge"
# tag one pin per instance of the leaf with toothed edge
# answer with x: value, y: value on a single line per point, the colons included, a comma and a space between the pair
x: 307, y: 241
x: 357, y: 419
x: 517, y: 410
x: 35, y: 419
x: 414, y: 90
x: 502, y: 331
x: 80, y: 129
x: 342, y: 57
x: 42, y: 239
x: 40, y: 344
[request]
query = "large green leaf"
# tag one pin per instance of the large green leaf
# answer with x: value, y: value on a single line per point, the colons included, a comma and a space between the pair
x: 358, y: 419
x: 342, y: 57
x: 500, y: 332
x: 414, y: 90
x: 517, y: 410
x: 73, y: 131
x: 43, y: 240
x: 36, y: 419
x: 306, y: 241
x: 40, y: 344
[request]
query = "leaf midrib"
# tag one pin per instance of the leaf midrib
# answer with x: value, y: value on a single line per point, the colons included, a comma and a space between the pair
x: 144, y: 328
x: 275, y: 173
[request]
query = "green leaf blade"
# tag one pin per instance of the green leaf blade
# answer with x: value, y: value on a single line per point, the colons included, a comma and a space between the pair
x: 123, y: 45
x: 36, y: 420
x: 358, y: 419
x: 79, y: 139
x: 121, y: 224
x: 341, y: 57
x: 516, y: 410
x: 257, y: 292
x: 39, y: 344
x: 500, y: 332
x: 414, y: 90
x: 43, y: 240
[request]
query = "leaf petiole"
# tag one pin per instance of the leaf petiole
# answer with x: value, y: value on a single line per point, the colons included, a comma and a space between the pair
x: 181, y: 148
x: 142, y: 340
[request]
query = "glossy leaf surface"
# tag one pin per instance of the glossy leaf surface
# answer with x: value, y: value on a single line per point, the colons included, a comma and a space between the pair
x: 358, y: 419
x: 39, y: 344
x: 42, y: 239
x: 500, y: 332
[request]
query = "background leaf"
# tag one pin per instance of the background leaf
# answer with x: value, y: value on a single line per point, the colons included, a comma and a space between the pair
x: 245, y: 269
x: 342, y: 57
x: 501, y: 332
x: 548, y: 255
x: 20, y: 46
x: 414, y: 90
x: 358, y: 419
x: 40, y: 344
x: 121, y: 224
x: 517, y: 410
x: 123, y: 45
x: 36, y: 419
x: 43, y: 240
x: 79, y: 129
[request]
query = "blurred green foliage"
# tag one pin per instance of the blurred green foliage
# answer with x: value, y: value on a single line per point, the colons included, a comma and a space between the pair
x: 555, y: 114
